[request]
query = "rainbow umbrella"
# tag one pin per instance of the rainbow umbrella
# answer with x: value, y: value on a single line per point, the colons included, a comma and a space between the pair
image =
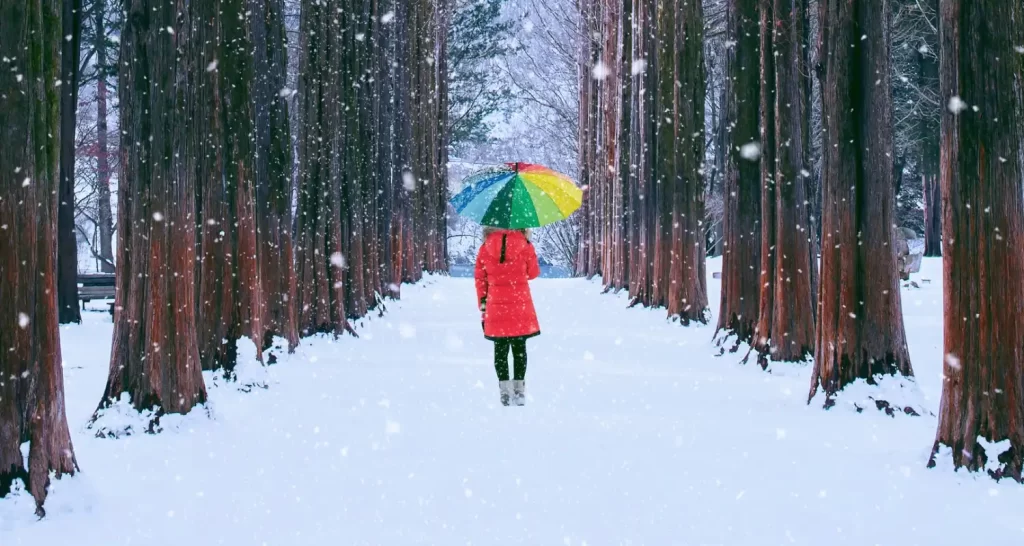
x: 517, y: 196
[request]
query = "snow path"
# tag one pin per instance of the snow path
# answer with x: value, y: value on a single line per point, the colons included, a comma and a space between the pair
x: 633, y: 434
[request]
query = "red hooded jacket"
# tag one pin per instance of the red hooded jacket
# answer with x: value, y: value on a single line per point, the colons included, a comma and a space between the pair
x: 504, y: 265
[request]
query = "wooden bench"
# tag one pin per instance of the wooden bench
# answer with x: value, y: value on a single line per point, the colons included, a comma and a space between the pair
x: 96, y: 287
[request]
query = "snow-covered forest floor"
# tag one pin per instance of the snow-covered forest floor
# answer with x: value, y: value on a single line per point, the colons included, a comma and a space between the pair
x: 634, y: 433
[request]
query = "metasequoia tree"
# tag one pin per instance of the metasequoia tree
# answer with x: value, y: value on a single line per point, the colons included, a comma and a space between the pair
x: 981, y: 415
x: 273, y: 171
x: 155, y: 357
x: 221, y: 126
x: 372, y: 188
x: 104, y: 68
x: 320, y: 261
x: 928, y: 145
x: 785, y: 326
x: 31, y: 378
x: 642, y: 152
x: 67, y: 238
x: 742, y: 196
x: 860, y: 318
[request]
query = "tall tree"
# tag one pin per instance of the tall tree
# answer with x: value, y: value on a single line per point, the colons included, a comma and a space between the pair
x: 155, y: 357
x: 67, y: 236
x: 929, y: 145
x: 785, y: 326
x: 32, y: 388
x: 105, y: 67
x: 230, y: 304
x: 478, y: 37
x: 677, y: 162
x: 273, y: 171
x: 642, y: 147
x: 860, y: 319
x: 981, y: 415
x: 742, y: 196
x: 320, y: 257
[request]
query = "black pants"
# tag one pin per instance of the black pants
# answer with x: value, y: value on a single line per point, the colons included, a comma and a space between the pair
x: 501, y: 347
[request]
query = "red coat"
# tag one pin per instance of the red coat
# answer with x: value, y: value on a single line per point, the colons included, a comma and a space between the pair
x: 504, y: 265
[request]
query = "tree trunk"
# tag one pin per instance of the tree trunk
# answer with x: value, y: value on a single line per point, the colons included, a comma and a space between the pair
x: 32, y: 390
x: 320, y: 260
x: 860, y: 319
x: 273, y: 172
x: 679, y: 159
x: 785, y: 328
x: 983, y: 223
x: 105, y: 215
x: 67, y: 238
x: 155, y: 358
x: 742, y: 191
x: 928, y: 74
x: 231, y: 292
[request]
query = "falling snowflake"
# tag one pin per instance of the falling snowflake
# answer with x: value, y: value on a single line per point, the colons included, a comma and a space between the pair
x: 212, y: 66
x: 952, y: 361
x: 406, y: 330
x: 408, y: 181
x: 337, y: 260
x: 285, y: 92
x: 23, y: 320
x: 387, y: 17
x: 600, y: 71
x: 158, y: 216
x: 750, y: 151
x: 639, y: 66
x: 527, y: 26
x: 956, y: 105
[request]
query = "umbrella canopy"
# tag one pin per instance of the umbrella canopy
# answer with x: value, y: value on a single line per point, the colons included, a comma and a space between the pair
x: 517, y: 196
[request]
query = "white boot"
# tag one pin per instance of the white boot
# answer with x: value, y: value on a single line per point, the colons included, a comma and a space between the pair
x: 505, y: 388
x: 519, y: 392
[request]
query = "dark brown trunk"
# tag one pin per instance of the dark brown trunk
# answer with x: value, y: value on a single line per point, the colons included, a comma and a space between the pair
x: 860, y: 319
x: 67, y: 238
x: 741, y: 248
x: 105, y: 215
x: 32, y: 389
x: 785, y: 329
x: 983, y: 225
x: 155, y: 358
x: 273, y: 171
x: 679, y: 159
x: 928, y: 76
x: 320, y: 261
x: 230, y: 304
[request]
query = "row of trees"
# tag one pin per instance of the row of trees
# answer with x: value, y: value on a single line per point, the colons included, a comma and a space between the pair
x: 642, y: 156
x: 209, y: 251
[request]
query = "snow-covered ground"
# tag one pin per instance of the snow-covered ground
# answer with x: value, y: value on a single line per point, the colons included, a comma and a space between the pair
x: 634, y: 433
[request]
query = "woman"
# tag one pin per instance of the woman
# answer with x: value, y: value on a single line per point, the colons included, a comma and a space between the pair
x: 504, y: 265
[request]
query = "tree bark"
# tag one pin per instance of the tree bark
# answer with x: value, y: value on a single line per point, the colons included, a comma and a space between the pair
x: 677, y: 166
x: 32, y: 389
x: 67, y: 238
x: 860, y: 318
x: 230, y: 291
x: 273, y: 172
x: 742, y: 193
x: 105, y: 214
x: 929, y: 156
x: 320, y: 258
x: 983, y: 224
x: 155, y: 358
x: 785, y: 327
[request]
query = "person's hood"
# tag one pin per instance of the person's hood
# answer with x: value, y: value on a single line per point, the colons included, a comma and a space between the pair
x: 510, y: 243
